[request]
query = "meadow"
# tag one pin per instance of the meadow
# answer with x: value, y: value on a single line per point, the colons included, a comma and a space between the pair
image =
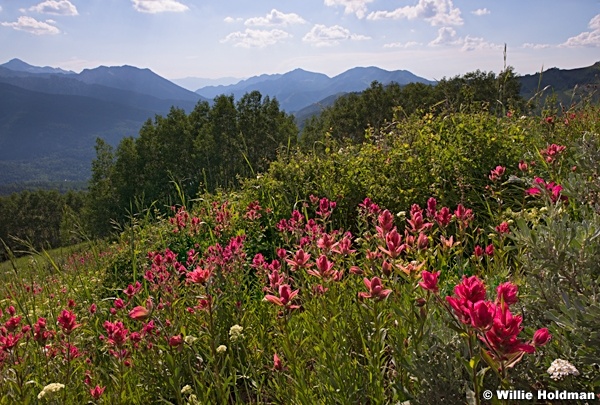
x: 445, y: 256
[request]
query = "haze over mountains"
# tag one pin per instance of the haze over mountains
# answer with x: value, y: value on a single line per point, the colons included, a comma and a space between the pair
x: 50, y: 117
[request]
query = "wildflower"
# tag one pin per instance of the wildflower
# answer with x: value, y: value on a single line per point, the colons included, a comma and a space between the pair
x: 131, y: 290
x: 66, y: 320
x: 189, y: 339
x: 198, y: 276
x: 497, y: 173
x: 221, y: 349
x: 116, y: 332
x: 186, y: 389
x: 502, y: 337
x: 482, y: 314
x: 422, y: 241
x: 560, y: 368
x: 443, y: 217
x: 277, y: 364
x: 299, y: 260
x: 478, y: 251
x: 93, y: 309
x: 541, y: 337
x: 507, y: 293
x: 448, y: 243
x: 376, y: 291
x: 13, y: 323
x: 489, y: 250
x: 386, y: 223
x: 97, y: 392
x: 119, y: 303
x: 430, y: 281
x: 139, y: 313
x: 176, y: 341
x: 286, y: 296
x: 431, y: 207
x: 523, y: 166
x: 503, y: 228
x: 394, y: 245
x: 50, y: 389
x: 235, y: 332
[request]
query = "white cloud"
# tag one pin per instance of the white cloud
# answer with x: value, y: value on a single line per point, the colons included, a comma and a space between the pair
x: 481, y: 11
x: 586, y: 38
x: 60, y: 7
x: 358, y: 7
x: 158, y: 6
x: 256, y: 38
x: 404, y: 45
x: 435, y: 12
x: 230, y: 20
x: 447, y: 37
x: 529, y: 45
x: 33, y: 26
x: 470, y: 43
x: 275, y: 17
x: 320, y: 35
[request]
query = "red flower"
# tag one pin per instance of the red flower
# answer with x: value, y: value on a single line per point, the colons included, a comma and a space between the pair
x: 489, y: 250
x: 198, y: 276
x: 376, y: 291
x: 97, y: 392
x: 497, y: 173
x: 430, y: 281
x: 471, y: 289
x: 300, y: 260
x: 286, y: 296
x: 503, y: 228
x: 277, y: 364
x: 176, y: 341
x: 66, y: 320
x: 482, y: 314
x: 507, y: 293
x: 139, y: 313
x: 541, y: 337
x: 394, y: 244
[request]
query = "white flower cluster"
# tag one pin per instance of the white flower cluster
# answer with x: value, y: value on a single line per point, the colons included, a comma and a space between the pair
x: 235, y: 332
x: 561, y: 368
x: 221, y: 349
x: 50, y: 389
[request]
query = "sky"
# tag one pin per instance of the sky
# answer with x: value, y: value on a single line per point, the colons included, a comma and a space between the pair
x: 243, y: 38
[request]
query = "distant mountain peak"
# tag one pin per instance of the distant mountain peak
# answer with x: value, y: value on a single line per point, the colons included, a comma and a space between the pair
x: 18, y: 65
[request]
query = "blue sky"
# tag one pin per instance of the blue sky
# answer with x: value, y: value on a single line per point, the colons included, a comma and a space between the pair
x: 242, y: 38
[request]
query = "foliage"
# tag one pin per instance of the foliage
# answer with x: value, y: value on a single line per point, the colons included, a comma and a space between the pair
x: 352, y: 115
x: 40, y: 219
x: 211, y: 147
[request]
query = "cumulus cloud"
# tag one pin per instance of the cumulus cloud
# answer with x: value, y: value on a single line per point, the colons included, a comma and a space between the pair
x: 481, y: 11
x: 447, y: 37
x: 60, y: 7
x: 358, y: 7
x: 33, y: 26
x: 435, y: 12
x: 277, y: 18
x: 256, y: 38
x: 321, y: 35
x: 586, y: 38
x: 158, y: 6
x: 403, y: 45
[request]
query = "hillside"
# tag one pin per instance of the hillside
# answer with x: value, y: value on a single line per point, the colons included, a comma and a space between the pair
x: 566, y: 84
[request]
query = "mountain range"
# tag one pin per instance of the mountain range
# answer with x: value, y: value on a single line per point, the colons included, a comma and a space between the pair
x: 50, y: 117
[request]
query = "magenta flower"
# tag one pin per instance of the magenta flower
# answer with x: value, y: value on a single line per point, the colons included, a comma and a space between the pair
x: 97, y: 392
x: 507, y: 293
x: 376, y: 290
x: 286, y: 296
x: 299, y: 260
x: 482, y: 314
x: 541, y: 337
x: 139, y: 313
x: 66, y: 320
x: 430, y: 281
